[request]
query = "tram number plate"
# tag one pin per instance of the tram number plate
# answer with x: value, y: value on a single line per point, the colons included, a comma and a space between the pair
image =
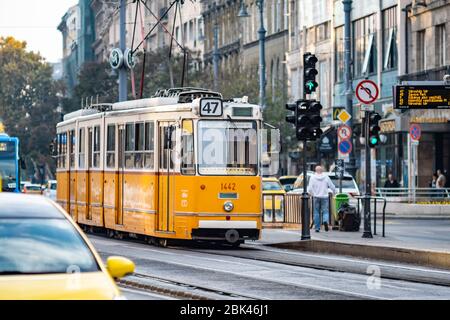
x: 211, y: 107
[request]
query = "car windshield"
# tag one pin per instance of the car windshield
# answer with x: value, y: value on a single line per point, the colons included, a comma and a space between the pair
x: 347, y: 182
x: 227, y: 148
x: 8, y: 166
x: 42, y: 246
x: 271, y: 186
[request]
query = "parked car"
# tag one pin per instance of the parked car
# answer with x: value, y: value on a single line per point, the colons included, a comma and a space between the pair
x: 288, y: 182
x: 349, y: 185
x: 273, y: 196
x: 50, y: 190
x: 45, y: 255
x: 32, y: 189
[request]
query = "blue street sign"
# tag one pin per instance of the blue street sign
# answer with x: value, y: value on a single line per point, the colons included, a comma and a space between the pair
x: 345, y: 147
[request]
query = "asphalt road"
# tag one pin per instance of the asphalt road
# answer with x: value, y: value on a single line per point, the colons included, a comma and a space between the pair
x: 221, y: 273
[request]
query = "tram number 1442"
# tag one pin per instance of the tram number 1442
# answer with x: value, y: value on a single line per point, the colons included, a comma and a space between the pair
x: 228, y: 186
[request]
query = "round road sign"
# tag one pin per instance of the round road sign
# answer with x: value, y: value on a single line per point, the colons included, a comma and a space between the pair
x: 345, y: 147
x: 344, y: 132
x: 367, y: 91
x: 116, y: 58
x: 415, y: 132
x: 129, y: 59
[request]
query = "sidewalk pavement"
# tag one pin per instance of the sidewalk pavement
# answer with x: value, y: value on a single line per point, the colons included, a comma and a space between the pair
x: 432, y: 235
x: 424, y: 242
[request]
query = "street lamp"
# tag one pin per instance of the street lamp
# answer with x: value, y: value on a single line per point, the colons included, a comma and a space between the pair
x: 216, y: 54
x: 262, y: 50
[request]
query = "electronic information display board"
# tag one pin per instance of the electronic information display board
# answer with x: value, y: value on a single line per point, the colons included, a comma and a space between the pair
x: 421, y: 97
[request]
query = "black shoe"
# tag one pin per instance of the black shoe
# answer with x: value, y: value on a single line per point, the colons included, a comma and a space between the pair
x: 326, y: 226
x: 317, y: 230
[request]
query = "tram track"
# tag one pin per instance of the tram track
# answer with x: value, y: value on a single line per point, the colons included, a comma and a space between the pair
x: 180, y: 290
x: 316, y: 261
x: 185, y: 272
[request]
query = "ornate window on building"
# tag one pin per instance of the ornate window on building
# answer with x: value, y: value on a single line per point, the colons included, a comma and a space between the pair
x: 339, y: 54
x: 390, y: 52
x: 364, y: 46
x: 421, y: 52
x: 441, y: 45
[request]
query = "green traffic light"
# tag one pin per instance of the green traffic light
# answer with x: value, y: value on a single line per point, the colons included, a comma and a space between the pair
x: 310, y: 85
x: 373, y: 141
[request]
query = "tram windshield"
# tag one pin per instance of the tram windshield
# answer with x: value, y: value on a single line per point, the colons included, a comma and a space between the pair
x: 227, y: 147
x: 8, y: 166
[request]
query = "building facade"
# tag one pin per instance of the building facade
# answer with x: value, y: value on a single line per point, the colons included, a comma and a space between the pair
x: 391, y: 41
x: 78, y: 31
x: 238, y: 43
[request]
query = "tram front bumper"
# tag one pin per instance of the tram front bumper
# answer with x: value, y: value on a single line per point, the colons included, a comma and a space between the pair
x: 221, y: 230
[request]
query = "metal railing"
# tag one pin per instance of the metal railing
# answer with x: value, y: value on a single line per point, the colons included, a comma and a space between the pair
x: 287, y: 209
x: 376, y: 199
x: 413, y: 195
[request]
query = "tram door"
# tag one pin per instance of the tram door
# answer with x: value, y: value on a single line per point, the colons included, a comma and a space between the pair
x: 89, y: 173
x: 120, y: 186
x: 166, y: 177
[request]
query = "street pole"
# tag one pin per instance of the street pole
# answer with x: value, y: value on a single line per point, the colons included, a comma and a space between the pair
x: 305, y: 199
x: 262, y: 55
x: 123, y: 96
x: 368, y: 181
x: 216, y: 56
x: 348, y: 75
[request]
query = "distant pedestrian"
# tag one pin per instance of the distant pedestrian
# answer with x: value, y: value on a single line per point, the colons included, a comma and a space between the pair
x: 318, y: 187
x: 440, y: 183
x: 391, y: 182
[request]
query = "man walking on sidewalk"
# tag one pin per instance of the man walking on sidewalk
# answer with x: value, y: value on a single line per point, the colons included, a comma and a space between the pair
x: 318, y: 187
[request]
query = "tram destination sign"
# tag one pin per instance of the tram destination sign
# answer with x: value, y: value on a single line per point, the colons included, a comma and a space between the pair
x: 422, y: 97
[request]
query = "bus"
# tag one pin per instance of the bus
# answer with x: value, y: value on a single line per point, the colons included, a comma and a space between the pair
x: 9, y: 164
x: 184, y: 164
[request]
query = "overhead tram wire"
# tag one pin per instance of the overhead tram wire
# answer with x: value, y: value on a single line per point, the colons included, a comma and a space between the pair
x: 171, y: 34
x: 154, y: 27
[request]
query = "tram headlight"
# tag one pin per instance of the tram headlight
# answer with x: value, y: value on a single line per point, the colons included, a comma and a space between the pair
x: 228, y: 206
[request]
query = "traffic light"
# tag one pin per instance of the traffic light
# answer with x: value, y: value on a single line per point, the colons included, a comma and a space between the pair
x: 310, y: 72
x: 374, y: 129
x: 291, y: 118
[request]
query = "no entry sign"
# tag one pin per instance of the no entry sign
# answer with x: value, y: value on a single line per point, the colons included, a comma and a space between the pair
x: 367, y: 92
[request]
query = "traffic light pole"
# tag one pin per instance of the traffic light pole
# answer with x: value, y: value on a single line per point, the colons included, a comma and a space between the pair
x: 305, y: 199
x: 368, y: 183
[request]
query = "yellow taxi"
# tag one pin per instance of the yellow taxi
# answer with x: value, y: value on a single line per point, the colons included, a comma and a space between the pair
x: 273, y: 200
x: 45, y: 256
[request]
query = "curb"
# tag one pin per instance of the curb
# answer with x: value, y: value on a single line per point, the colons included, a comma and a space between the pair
x: 411, y: 256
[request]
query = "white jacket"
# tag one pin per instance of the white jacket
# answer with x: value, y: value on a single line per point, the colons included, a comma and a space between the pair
x: 319, y: 184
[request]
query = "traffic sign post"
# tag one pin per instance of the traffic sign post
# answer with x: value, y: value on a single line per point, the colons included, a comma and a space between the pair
x: 367, y: 93
x: 340, y: 170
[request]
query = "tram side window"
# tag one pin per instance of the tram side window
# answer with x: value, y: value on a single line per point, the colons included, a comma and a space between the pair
x: 72, y: 148
x: 96, y: 148
x: 139, y: 146
x: 111, y: 147
x: 129, y: 145
x: 81, y: 148
x: 187, y: 148
x: 62, y: 150
x: 149, y: 154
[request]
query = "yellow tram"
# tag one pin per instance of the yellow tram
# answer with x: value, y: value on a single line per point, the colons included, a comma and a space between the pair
x: 184, y: 164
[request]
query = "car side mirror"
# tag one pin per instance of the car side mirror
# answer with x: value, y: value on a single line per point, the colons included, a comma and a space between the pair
x: 119, y: 267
